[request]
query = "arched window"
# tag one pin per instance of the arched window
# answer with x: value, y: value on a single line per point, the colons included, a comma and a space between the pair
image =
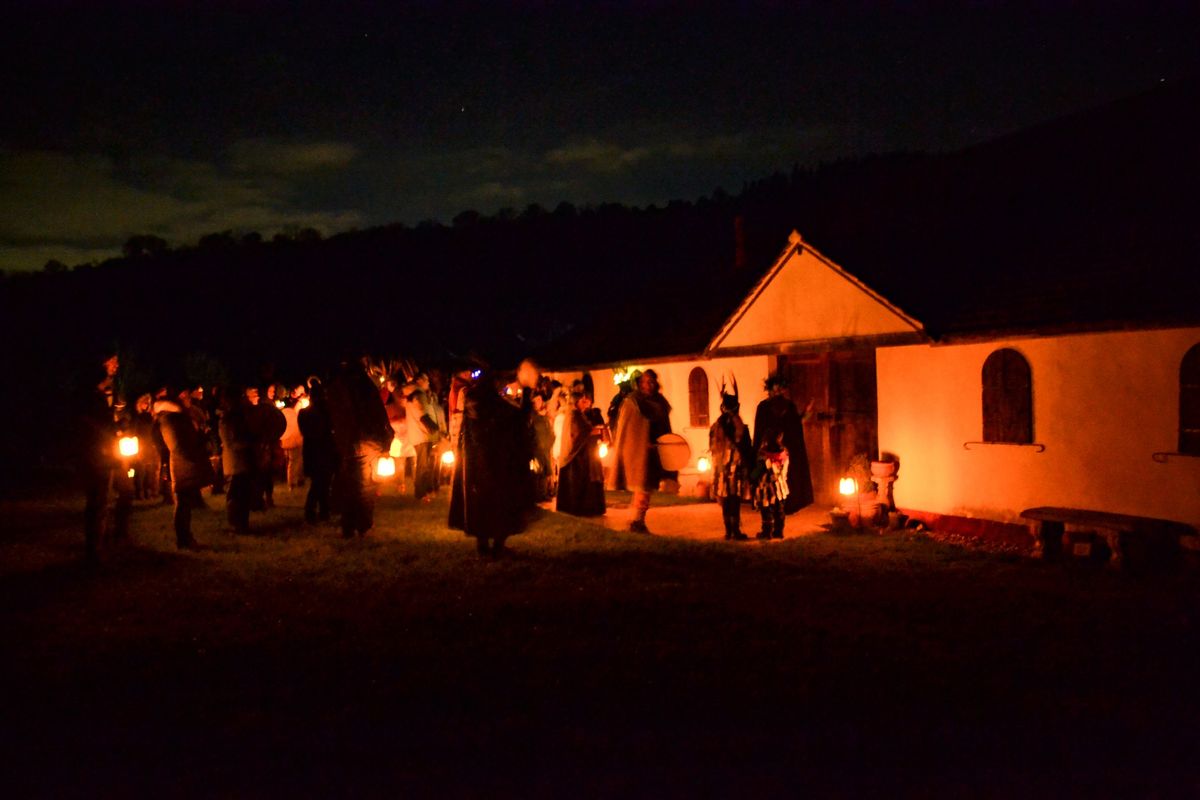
x: 698, y: 398
x: 1189, y: 402
x: 1007, y: 398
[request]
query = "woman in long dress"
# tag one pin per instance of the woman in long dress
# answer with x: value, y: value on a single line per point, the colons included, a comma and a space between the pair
x: 580, y: 473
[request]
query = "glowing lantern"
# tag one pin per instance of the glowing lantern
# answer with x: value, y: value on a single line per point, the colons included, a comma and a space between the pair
x: 127, y: 446
x: 304, y: 402
x: 280, y: 404
x: 603, y: 450
x: 848, y: 486
x: 397, y: 449
x: 130, y: 473
x: 386, y: 467
x: 703, y: 464
x: 535, y: 467
x: 448, y: 458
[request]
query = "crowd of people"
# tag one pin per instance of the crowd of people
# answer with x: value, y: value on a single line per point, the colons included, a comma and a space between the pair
x: 515, y: 440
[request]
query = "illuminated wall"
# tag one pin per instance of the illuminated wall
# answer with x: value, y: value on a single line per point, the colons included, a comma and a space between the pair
x: 750, y: 371
x: 808, y: 299
x: 1103, y: 405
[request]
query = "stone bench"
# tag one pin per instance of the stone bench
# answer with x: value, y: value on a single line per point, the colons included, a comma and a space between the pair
x: 1158, y: 537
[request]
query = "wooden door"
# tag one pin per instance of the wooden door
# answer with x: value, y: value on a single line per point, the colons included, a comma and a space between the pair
x: 843, y: 420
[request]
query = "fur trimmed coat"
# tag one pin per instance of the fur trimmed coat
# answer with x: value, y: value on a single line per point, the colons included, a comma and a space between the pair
x: 190, y: 467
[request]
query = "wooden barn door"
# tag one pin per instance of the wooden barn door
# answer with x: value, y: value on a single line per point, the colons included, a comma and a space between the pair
x: 844, y: 421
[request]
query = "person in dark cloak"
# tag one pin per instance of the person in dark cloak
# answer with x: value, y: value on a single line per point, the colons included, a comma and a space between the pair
x: 320, y: 455
x: 191, y: 469
x: 490, y: 497
x: 362, y: 433
x: 778, y: 414
x: 580, y: 472
x: 238, y: 457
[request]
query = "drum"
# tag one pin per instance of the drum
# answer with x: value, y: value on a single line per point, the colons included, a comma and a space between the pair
x: 673, y: 451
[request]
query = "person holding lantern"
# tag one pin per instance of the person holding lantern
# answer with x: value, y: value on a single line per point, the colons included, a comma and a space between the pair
x: 102, y: 468
x: 732, y: 454
x: 191, y: 469
x: 362, y: 434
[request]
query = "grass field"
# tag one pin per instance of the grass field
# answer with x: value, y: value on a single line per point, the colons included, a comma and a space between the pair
x: 588, y: 663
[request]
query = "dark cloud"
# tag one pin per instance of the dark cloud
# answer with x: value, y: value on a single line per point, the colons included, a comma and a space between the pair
x: 180, y: 119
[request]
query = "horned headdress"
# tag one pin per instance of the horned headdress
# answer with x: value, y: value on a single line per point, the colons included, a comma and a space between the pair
x: 729, y: 400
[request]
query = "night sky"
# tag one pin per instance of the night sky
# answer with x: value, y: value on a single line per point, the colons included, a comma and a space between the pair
x: 179, y: 119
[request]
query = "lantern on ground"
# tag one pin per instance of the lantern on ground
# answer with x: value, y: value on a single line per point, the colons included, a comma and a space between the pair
x: 847, y: 487
x: 385, y: 468
x: 127, y: 446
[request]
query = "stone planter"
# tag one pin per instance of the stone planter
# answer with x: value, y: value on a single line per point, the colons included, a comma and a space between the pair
x: 883, y: 469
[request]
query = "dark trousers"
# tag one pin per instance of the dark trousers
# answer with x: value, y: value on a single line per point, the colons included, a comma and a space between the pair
x: 97, y: 483
x: 731, y: 511
x: 772, y: 521
x: 185, y: 501
x: 316, y: 504
x: 237, y: 501
x: 425, y: 471
x: 356, y: 490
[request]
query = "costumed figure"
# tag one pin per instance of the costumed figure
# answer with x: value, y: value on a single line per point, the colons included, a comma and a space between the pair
x: 363, y: 434
x: 490, y: 497
x: 580, y: 472
x: 778, y: 414
x: 423, y: 435
x: 732, y: 456
x: 771, y: 486
x: 644, y: 416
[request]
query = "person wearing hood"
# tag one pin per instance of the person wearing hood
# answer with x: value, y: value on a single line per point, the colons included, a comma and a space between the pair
x: 489, y: 497
x: 362, y: 433
x: 191, y: 470
x: 580, y: 471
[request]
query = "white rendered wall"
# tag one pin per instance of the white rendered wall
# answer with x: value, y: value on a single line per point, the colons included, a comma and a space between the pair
x: 750, y: 372
x: 1103, y: 404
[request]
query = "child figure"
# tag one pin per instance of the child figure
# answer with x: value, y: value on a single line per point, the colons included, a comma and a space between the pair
x: 731, y: 448
x: 771, y: 487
